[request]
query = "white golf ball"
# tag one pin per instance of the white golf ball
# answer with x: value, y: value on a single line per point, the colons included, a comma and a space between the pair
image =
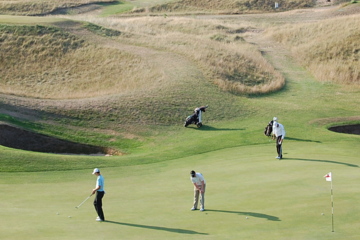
x: 69, y: 216
x: 247, y: 218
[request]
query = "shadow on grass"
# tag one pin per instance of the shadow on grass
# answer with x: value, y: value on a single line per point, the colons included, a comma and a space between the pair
x: 301, y: 140
x: 250, y: 214
x: 317, y: 160
x: 174, y: 230
x: 210, y: 128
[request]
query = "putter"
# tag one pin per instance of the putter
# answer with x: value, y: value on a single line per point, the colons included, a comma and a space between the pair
x: 83, y: 201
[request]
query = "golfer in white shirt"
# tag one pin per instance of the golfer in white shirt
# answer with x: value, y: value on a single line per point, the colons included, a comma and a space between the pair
x: 199, y: 188
x: 278, y: 132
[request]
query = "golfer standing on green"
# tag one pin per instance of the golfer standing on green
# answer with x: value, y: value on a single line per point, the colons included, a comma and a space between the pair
x: 199, y: 188
x: 278, y: 134
x: 99, y: 190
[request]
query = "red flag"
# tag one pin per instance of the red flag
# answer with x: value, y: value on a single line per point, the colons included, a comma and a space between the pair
x: 328, y: 177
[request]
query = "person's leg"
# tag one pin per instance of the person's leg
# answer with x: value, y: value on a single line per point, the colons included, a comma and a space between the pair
x: 98, y: 204
x: 196, y: 198
x: 278, y: 146
x: 95, y: 203
x: 202, y: 202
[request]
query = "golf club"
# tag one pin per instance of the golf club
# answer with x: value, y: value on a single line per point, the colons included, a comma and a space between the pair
x: 84, y: 201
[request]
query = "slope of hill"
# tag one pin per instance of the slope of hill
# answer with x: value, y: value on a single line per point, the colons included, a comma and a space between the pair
x: 171, y: 72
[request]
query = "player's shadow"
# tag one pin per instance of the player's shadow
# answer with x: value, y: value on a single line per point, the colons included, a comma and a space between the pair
x: 301, y: 140
x: 250, y: 214
x: 174, y: 230
x: 317, y: 160
x: 210, y: 128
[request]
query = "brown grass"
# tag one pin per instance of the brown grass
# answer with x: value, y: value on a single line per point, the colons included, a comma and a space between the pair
x: 39, y: 7
x: 217, y: 48
x: 330, y: 49
x: 70, y: 68
x: 74, y: 68
x: 231, y: 6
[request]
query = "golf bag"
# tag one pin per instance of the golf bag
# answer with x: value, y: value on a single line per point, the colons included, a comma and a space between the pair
x: 268, y: 129
x: 195, y: 118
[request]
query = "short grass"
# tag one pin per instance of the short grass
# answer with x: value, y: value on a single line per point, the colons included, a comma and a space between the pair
x: 249, y: 195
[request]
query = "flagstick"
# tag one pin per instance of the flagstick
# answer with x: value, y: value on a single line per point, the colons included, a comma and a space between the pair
x: 332, y: 206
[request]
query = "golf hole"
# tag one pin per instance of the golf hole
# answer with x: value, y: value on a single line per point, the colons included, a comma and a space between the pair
x: 18, y: 138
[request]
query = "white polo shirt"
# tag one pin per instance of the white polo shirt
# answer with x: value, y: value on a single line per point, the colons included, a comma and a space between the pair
x: 278, y: 130
x: 198, y: 179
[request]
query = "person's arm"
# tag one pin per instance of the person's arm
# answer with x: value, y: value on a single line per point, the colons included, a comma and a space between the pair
x: 98, y: 186
x: 95, y: 189
x: 197, y: 187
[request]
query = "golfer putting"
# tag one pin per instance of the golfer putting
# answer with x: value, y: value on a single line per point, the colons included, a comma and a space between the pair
x: 99, y: 191
x: 199, y: 189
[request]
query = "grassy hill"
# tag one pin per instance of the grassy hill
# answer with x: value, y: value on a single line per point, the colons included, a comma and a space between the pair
x: 120, y: 82
x: 131, y: 114
x: 40, y: 7
x: 230, y: 6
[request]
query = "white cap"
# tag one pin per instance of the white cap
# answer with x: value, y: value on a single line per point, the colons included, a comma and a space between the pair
x: 274, y: 118
x: 96, y: 170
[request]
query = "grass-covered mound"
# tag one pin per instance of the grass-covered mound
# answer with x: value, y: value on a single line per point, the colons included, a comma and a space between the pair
x: 40, y: 7
x: 230, y: 6
x: 217, y: 48
x: 54, y: 63
x: 179, y: 59
x: 330, y: 48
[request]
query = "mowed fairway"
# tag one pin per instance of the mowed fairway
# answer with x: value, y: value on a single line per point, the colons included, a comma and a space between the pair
x: 249, y: 195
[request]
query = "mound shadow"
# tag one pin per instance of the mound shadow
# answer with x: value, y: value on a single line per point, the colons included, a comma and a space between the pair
x: 318, y: 160
x: 14, y: 137
x: 250, y: 214
x: 175, y: 230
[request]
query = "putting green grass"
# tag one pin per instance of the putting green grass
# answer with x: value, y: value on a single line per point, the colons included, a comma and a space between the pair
x: 281, y: 199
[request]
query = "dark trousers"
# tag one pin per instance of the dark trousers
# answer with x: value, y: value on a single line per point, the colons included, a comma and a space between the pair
x: 98, y: 204
x: 279, y: 146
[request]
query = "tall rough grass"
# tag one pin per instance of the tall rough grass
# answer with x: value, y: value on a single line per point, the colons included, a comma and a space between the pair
x: 47, y: 62
x: 329, y: 49
x: 230, y: 6
x: 216, y: 47
x: 39, y: 7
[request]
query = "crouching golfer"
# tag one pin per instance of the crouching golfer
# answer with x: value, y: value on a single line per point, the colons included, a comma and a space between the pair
x: 99, y: 190
x: 199, y: 187
x: 278, y: 133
